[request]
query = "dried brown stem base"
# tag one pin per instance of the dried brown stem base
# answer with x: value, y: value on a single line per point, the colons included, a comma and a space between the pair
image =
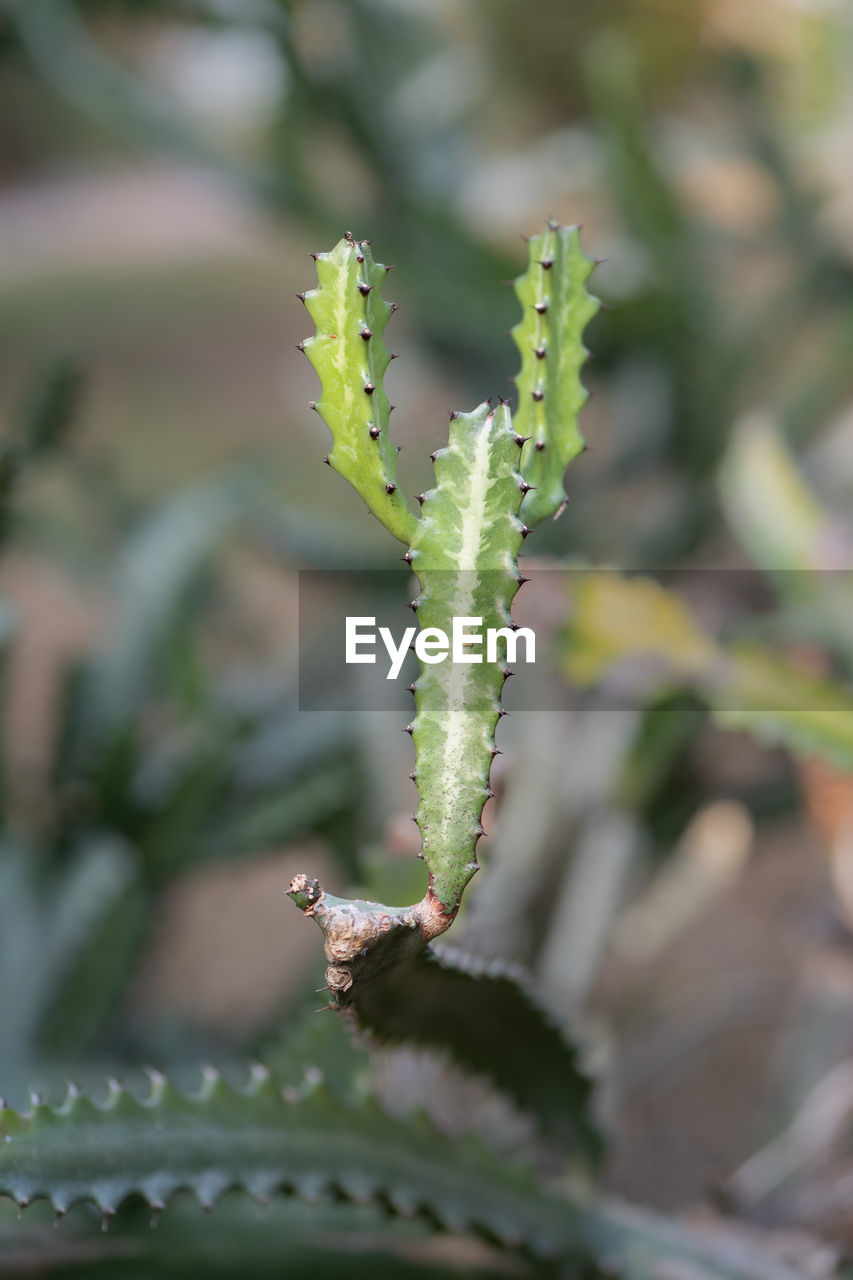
x: 362, y: 939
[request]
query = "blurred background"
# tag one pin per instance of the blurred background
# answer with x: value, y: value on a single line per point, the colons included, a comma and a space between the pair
x: 166, y: 168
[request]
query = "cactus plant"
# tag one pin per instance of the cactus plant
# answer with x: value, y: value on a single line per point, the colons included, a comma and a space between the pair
x: 495, y: 479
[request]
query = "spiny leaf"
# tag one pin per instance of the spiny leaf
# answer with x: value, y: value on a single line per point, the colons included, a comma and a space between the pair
x: 350, y: 315
x: 46, y: 926
x: 556, y: 308
x: 464, y: 552
x: 772, y: 511
x: 619, y: 623
x: 289, y: 1239
x: 484, y: 1016
x: 158, y: 564
x: 253, y: 1138
x: 635, y: 1244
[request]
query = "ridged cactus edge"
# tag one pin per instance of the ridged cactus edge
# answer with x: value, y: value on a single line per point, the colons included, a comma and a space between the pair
x: 497, y: 476
x: 267, y: 1140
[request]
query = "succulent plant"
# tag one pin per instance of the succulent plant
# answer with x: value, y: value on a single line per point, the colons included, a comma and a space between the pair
x: 499, y: 475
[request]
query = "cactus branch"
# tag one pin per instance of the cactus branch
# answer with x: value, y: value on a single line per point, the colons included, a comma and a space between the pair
x: 556, y: 308
x: 347, y: 351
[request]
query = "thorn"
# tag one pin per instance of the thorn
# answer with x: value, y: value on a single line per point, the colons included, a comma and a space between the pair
x: 513, y: 626
x: 541, y: 307
x: 390, y: 488
x: 326, y: 460
x: 522, y: 579
x: 490, y: 795
x: 407, y: 557
x: 547, y: 263
x: 369, y: 388
x: 413, y: 776
x: 391, y: 409
x: 302, y: 297
x: 395, y: 355
x: 553, y: 224
x: 507, y: 673
x: 454, y: 413
x: 525, y: 487
x: 300, y: 346
x: 409, y: 729
x: 524, y: 531
x: 367, y: 334
x: 561, y: 509
x: 539, y: 446
x: 413, y: 605
x: 496, y: 751
x: 348, y: 235
x: 538, y: 395
x: 433, y: 455
x: 399, y: 448
x: 315, y: 256
x: 414, y: 818
x: 364, y: 289
x: 359, y: 257
x: 502, y: 713
x: 604, y: 306
x: 541, y: 353
x: 521, y: 441
x: 479, y: 830
x: 510, y: 284
x: 412, y: 688
x: 374, y: 432
x: 421, y: 498
x: 312, y: 404
x: 504, y: 400
x: 395, y: 306
x: 389, y: 266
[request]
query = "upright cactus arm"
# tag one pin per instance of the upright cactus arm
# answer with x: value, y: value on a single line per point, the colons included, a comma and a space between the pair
x: 347, y: 351
x: 556, y: 307
x: 465, y: 555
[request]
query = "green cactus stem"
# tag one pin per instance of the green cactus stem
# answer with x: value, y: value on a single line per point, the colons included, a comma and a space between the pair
x: 556, y: 309
x: 347, y: 351
x: 465, y: 555
x: 463, y: 549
